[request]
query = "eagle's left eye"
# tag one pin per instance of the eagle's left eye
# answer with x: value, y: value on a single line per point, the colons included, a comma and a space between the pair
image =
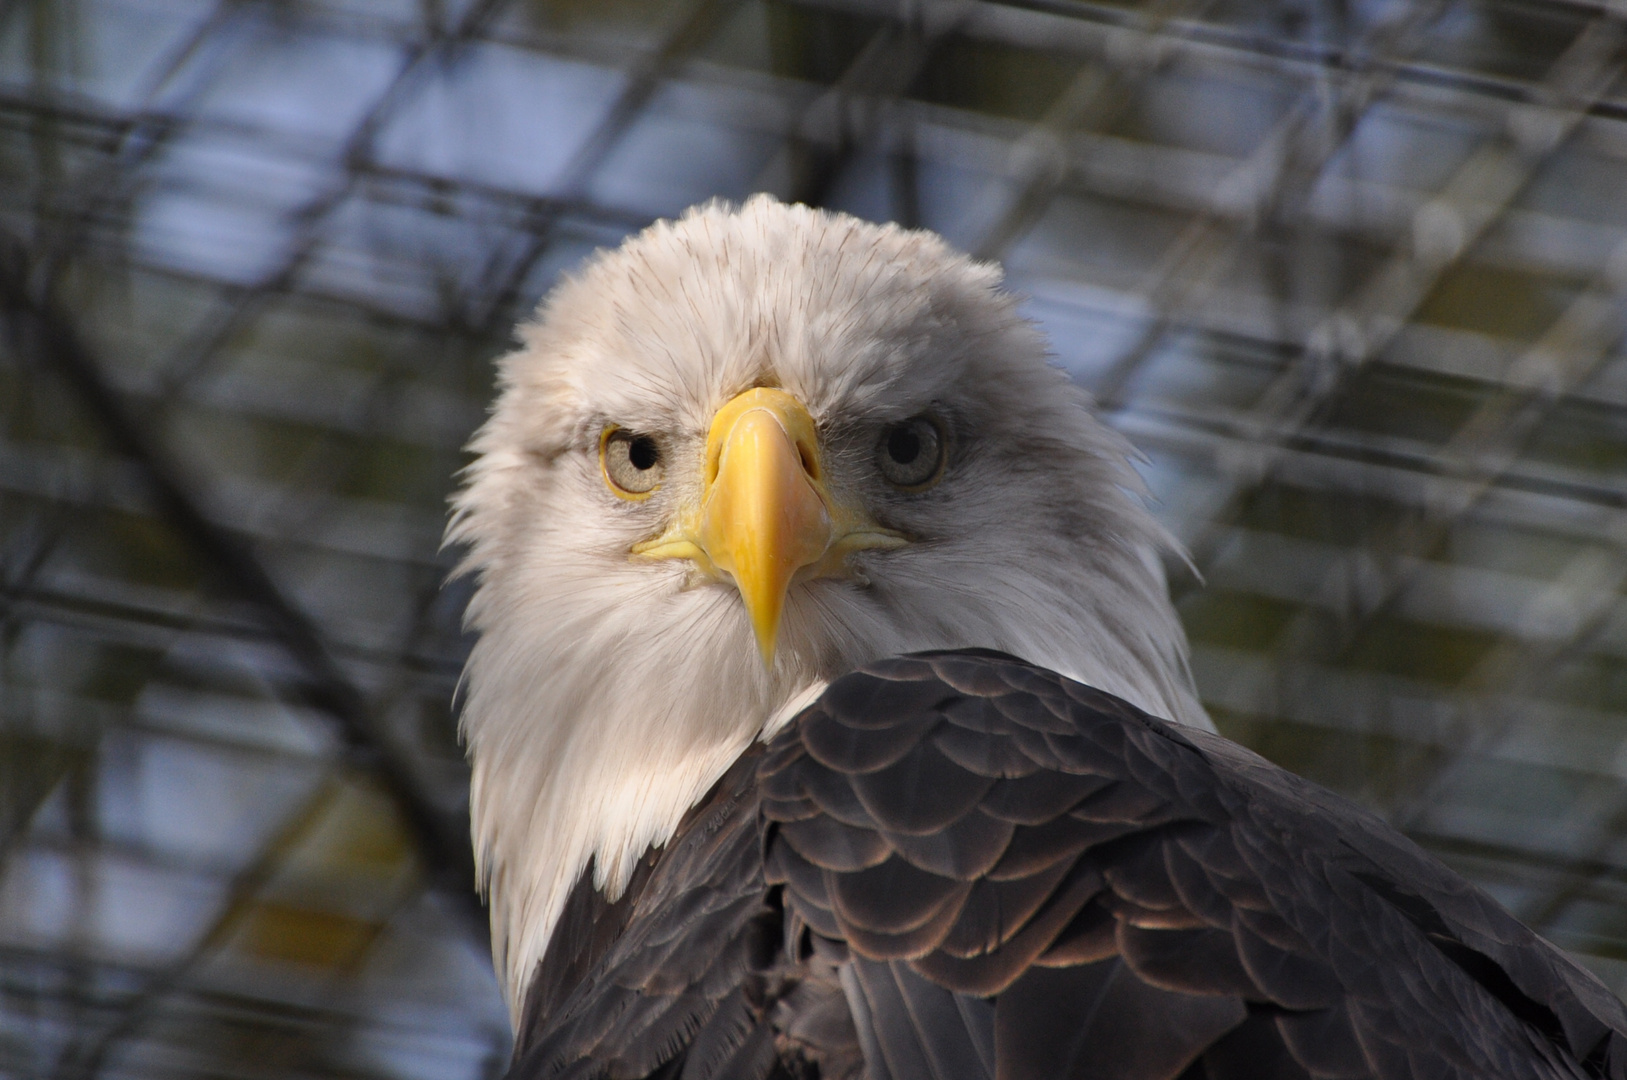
x: 631, y: 462
x: 912, y: 453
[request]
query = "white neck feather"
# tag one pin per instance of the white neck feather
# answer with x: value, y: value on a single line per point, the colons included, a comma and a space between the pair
x: 590, y: 737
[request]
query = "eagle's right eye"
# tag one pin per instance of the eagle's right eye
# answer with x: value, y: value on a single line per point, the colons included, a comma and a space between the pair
x: 631, y: 463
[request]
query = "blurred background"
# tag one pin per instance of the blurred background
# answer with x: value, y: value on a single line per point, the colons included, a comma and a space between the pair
x: 1349, y: 271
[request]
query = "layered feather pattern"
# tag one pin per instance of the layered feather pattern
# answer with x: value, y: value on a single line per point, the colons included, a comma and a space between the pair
x: 958, y: 866
x: 1133, y: 900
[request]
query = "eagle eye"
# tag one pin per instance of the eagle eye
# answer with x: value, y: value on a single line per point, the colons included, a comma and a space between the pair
x: 631, y: 462
x: 912, y: 453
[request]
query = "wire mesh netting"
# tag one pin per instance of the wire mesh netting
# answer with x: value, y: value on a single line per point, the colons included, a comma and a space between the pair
x: 1350, y: 273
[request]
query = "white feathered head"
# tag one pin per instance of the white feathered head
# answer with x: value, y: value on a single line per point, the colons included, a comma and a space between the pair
x: 735, y: 457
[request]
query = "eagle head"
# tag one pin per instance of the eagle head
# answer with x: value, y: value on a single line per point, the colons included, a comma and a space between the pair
x: 733, y: 458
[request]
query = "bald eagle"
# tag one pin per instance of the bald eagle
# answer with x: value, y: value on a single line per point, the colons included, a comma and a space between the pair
x: 829, y: 718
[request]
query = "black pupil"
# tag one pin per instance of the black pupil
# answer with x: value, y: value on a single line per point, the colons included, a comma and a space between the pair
x: 903, y: 445
x: 642, y: 453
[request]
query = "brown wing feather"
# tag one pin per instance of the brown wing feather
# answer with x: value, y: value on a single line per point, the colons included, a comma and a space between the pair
x: 686, y: 975
x: 978, y: 870
x: 1126, y: 900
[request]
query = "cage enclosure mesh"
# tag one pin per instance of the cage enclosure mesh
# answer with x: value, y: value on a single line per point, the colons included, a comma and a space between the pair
x: 1349, y: 272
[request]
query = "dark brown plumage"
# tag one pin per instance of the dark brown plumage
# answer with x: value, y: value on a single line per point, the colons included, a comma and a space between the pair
x: 958, y: 866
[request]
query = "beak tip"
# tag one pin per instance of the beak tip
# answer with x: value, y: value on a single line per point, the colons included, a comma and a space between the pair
x: 765, y: 644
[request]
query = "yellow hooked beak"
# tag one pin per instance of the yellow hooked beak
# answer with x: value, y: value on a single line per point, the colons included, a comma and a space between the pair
x: 765, y: 516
